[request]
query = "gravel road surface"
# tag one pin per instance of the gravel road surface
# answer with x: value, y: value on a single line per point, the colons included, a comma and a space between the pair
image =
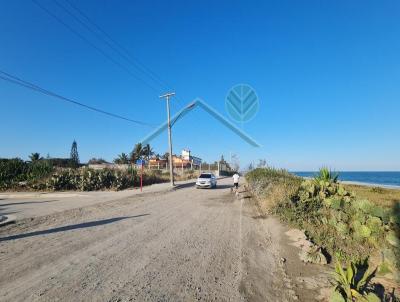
x: 167, y: 245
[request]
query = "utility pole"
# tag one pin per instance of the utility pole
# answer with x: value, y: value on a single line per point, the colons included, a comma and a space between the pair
x: 171, y: 165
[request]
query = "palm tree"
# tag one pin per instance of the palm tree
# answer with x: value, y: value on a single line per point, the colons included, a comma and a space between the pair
x: 122, y: 159
x: 35, y: 156
x: 137, y: 152
x: 147, y: 151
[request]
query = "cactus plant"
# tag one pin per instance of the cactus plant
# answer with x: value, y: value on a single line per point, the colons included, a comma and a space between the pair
x: 341, y: 191
x: 336, y: 203
x: 360, y: 230
x: 392, y: 239
x: 374, y: 224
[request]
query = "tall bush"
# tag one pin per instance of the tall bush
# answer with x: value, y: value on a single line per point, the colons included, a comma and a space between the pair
x: 11, y: 171
x: 39, y: 169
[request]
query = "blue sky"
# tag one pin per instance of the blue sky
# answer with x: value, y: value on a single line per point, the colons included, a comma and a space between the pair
x: 326, y: 73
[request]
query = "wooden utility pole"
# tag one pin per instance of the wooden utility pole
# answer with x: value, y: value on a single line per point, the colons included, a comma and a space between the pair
x: 171, y: 165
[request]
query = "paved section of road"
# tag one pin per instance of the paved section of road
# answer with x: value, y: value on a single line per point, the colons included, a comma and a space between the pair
x: 179, y: 245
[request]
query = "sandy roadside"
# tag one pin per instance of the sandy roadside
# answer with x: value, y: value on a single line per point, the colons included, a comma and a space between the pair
x: 180, y: 245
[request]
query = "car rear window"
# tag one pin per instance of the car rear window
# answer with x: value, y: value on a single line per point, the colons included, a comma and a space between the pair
x: 205, y: 176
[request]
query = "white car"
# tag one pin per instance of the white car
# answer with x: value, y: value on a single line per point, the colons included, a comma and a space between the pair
x: 206, y: 180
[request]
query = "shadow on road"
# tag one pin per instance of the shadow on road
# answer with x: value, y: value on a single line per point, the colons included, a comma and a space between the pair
x: 221, y: 187
x: 25, y: 202
x: 70, y: 227
x: 186, y: 185
x: 8, y: 212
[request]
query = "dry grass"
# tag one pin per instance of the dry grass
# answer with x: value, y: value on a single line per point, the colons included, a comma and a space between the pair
x: 272, y: 186
x: 187, y: 175
x: 381, y: 196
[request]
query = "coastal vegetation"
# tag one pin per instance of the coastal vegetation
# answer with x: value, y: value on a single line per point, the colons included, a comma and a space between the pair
x: 60, y: 174
x: 384, y: 197
x: 348, y: 225
x: 41, y: 175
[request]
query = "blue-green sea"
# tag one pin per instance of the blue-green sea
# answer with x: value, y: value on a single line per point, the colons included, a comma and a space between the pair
x: 372, y: 178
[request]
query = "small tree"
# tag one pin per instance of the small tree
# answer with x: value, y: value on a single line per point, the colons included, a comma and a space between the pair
x: 35, y: 157
x: 74, y: 154
x: 122, y: 159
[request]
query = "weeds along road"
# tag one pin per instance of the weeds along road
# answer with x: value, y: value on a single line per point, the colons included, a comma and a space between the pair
x: 180, y: 245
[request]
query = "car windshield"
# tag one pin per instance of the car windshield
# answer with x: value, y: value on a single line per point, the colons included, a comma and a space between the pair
x: 205, y: 176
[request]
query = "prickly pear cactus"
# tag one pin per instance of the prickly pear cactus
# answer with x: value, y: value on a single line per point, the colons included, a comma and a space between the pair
x: 392, y: 239
x: 342, y: 229
x: 341, y: 191
x: 375, y: 225
x: 362, y: 231
x: 336, y: 203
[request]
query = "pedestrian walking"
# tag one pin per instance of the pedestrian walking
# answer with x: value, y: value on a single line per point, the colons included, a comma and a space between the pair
x: 236, y: 177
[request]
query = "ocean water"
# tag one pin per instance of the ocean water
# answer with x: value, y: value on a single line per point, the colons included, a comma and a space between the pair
x: 377, y: 178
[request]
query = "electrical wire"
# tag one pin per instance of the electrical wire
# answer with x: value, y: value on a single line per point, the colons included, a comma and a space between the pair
x: 95, y: 47
x: 127, y: 56
x: 117, y: 47
x: 18, y: 81
x: 121, y: 50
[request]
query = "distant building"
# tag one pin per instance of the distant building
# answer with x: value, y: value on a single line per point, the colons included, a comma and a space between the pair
x: 186, y: 156
x: 186, y: 160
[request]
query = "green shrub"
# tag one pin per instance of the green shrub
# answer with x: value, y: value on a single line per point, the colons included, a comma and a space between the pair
x: 15, y: 170
x: 11, y: 171
x: 39, y: 169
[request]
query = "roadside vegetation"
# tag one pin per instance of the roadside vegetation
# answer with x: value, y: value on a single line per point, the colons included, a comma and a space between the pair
x: 343, y: 223
x: 41, y: 175
x: 62, y: 174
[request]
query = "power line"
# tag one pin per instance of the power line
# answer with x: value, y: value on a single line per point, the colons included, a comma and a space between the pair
x: 18, y: 81
x: 124, y: 53
x: 119, y: 48
x: 94, y: 46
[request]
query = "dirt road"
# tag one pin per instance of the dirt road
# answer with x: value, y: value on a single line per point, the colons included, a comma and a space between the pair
x: 33, y: 204
x: 181, y: 245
